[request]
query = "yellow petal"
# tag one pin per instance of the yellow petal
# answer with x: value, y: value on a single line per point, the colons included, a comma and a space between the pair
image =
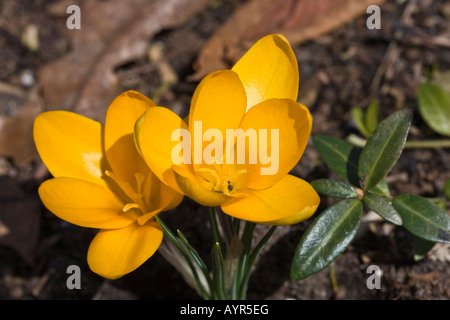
x: 170, y: 199
x: 219, y: 102
x: 192, y: 188
x: 153, y: 134
x: 70, y: 145
x: 114, y: 253
x: 286, y: 126
x: 268, y: 70
x: 120, y: 148
x: 289, y: 201
x: 83, y: 203
x: 159, y: 196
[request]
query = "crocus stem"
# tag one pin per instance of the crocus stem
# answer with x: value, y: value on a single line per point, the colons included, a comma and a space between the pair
x: 200, y: 278
x: 239, y: 286
x: 227, y: 226
x: 215, y: 234
x: 218, y: 272
x: 252, y: 259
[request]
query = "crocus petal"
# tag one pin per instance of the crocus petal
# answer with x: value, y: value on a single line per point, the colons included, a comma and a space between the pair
x: 288, y: 201
x: 292, y: 123
x: 159, y: 196
x: 169, y: 199
x: 191, y: 187
x: 83, y: 203
x: 120, y: 148
x: 219, y: 102
x: 268, y: 70
x: 153, y: 134
x: 70, y: 145
x: 114, y: 253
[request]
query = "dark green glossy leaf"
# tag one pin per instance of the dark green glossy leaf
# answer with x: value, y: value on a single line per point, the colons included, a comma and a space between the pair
x: 434, y: 106
x: 381, y: 189
x: 423, y: 218
x: 334, y: 188
x: 382, y: 207
x: 383, y: 148
x: 326, y: 238
x: 340, y: 156
x: 421, y: 247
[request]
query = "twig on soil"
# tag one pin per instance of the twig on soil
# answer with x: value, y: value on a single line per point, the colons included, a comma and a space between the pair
x: 412, y: 144
x: 391, y: 52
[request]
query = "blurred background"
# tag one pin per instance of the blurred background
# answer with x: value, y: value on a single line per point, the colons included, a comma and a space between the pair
x: 162, y: 48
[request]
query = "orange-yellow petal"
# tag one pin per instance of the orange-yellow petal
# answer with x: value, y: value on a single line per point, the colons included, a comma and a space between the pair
x: 114, y: 253
x: 157, y: 133
x: 70, y: 145
x: 192, y: 188
x: 219, y: 103
x: 268, y: 70
x: 83, y: 203
x: 288, y: 201
x: 159, y: 196
x: 170, y: 199
x: 120, y: 148
x: 282, y: 127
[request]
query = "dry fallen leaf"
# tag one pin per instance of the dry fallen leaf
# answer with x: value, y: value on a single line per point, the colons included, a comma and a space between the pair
x: 19, y: 219
x: 17, y: 112
x: 112, y: 33
x: 298, y: 20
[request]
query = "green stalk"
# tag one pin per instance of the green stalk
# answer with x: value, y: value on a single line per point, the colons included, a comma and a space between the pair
x: 238, y: 288
x: 218, y: 272
x: 197, y: 258
x: 216, y: 238
x: 252, y: 259
x: 167, y: 232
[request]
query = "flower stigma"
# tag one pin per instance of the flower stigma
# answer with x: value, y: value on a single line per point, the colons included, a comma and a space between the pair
x: 221, y: 179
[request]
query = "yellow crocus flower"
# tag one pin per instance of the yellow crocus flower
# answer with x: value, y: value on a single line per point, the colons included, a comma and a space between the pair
x: 259, y: 93
x: 100, y: 181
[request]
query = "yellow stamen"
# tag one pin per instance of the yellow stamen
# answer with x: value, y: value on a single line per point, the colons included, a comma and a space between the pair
x: 222, y: 180
x: 129, y: 206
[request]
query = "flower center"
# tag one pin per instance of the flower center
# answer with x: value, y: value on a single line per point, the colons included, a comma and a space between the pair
x: 133, y: 197
x: 221, y: 178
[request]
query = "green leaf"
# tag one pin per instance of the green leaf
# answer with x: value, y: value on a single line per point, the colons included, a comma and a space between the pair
x: 358, y: 118
x: 423, y: 218
x: 381, y: 189
x: 218, y: 271
x: 383, y: 148
x: 371, y: 116
x: 334, y: 188
x: 382, y: 207
x: 366, y: 121
x: 421, y: 247
x: 326, y: 238
x: 447, y: 189
x: 340, y: 156
x: 434, y: 106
